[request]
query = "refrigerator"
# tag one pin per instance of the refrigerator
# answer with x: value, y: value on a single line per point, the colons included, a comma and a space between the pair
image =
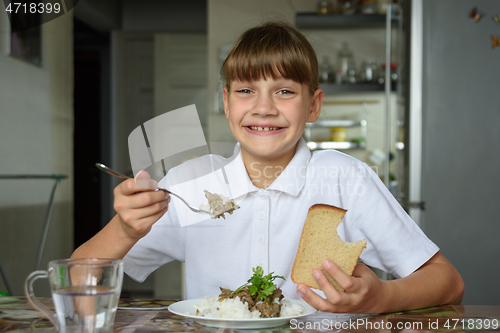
x: 453, y: 134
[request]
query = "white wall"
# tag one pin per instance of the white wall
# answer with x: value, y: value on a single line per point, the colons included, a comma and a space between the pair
x: 36, y: 137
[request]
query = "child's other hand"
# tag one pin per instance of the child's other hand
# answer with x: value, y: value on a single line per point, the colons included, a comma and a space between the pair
x: 364, y: 291
x: 139, y: 205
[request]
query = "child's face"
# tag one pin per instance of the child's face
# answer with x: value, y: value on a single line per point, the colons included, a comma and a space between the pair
x: 268, y: 116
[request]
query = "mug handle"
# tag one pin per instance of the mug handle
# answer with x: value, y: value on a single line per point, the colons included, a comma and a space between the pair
x: 28, y: 290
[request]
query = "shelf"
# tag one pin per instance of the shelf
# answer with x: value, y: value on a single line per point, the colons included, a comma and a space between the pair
x: 331, y: 88
x: 332, y: 123
x: 336, y: 123
x: 315, y: 21
x: 312, y: 145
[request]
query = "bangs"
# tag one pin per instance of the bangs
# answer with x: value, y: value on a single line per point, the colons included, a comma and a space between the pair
x: 269, y: 63
x: 272, y: 52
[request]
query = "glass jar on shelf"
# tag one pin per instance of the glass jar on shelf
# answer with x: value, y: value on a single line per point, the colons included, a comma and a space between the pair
x: 338, y: 134
x: 352, y: 75
x: 338, y: 77
x: 382, y: 6
x: 325, y: 7
x: 369, y: 7
x: 348, y: 7
x: 369, y: 71
x: 346, y: 63
x: 326, y: 71
x: 394, y: 73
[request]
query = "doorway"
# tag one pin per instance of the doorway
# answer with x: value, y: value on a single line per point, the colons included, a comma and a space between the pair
x: 91, y: 53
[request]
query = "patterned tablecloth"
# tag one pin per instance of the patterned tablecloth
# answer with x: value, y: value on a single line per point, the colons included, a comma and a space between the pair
x: 141, y: 316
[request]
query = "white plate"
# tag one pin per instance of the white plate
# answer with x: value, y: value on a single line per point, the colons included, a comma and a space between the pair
x: 187, y: 309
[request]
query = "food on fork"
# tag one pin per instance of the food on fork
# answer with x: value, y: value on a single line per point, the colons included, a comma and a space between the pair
x: 218, y: 205
x: 258, y: 298
x: 319, y: 241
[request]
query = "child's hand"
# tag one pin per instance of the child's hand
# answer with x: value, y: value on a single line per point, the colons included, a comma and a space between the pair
x: 139, y: 205
x: 364, y: 291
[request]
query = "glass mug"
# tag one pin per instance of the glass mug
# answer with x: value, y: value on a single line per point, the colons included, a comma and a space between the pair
x: 85, y: 293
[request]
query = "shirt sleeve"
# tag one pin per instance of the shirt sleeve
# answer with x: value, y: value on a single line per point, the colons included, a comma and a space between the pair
x: 395, y: 243
x: 163, y: 244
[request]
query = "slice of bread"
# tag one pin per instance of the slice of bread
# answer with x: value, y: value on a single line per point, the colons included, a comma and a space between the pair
x: 319, y: 242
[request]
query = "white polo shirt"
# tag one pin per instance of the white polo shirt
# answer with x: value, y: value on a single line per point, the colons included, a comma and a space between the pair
x: 266, y: 229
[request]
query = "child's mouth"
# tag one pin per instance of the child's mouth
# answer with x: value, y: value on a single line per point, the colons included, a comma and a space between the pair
x: 264, y: 129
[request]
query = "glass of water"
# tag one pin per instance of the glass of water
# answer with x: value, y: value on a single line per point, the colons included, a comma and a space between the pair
x: 85, y: 293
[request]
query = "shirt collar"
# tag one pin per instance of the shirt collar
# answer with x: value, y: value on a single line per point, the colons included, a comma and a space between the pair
x: 293, y: 178
x: 290, y: 181
x: 237, y: 176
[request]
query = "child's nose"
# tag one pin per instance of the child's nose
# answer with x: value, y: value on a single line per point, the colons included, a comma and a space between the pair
x: 264, y: 106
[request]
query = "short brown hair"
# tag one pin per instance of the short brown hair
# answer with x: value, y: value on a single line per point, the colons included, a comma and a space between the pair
x: 275, y: 49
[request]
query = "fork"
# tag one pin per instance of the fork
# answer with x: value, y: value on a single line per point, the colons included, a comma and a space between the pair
x: 112, y: 172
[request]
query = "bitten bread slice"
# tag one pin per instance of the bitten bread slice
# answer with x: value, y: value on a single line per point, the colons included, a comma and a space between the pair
x: 319, y: 242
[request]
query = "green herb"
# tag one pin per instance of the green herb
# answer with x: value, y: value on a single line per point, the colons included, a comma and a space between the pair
x: 259, y: 284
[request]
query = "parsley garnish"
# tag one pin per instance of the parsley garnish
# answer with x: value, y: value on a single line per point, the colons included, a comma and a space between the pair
x: 259, y: 284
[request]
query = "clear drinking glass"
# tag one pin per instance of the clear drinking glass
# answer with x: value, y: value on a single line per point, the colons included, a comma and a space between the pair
x: 85, y: 293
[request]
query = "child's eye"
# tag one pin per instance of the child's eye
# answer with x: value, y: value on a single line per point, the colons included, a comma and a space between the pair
x: 244, y: 91
x: 285, y: 92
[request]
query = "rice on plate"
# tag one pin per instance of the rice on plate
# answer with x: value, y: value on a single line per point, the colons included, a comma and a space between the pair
x: 234, y: 308
x: 258, y: 298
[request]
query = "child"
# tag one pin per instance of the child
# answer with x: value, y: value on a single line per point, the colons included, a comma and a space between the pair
x: 271, y: 91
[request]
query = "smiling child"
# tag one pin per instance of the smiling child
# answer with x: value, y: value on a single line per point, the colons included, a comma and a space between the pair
x: 271, y: 91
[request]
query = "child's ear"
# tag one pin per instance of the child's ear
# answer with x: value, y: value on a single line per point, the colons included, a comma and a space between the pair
x: 316, y: 103
x: 225, y: 96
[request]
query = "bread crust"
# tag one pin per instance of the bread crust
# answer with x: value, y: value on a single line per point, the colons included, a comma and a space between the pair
x: 321, y: 224
x: 325, y: 206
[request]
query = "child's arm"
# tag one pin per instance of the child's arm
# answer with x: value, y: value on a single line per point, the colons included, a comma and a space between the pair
x: 138, y: 208
x: 436, y: 282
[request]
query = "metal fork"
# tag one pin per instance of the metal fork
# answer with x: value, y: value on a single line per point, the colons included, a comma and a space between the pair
x: 112, y: 172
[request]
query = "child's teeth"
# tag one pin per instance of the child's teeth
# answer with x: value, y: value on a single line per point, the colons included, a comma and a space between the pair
x: 264, y: 128
x: 258, y: 128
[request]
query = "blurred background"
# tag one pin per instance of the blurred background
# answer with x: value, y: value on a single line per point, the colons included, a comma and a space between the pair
x: 72, y: 90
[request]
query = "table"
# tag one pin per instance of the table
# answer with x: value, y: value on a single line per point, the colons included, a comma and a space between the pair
x: 16, y: 315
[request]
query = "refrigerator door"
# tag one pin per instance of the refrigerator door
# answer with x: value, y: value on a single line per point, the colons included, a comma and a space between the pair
x: 460, y: 140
